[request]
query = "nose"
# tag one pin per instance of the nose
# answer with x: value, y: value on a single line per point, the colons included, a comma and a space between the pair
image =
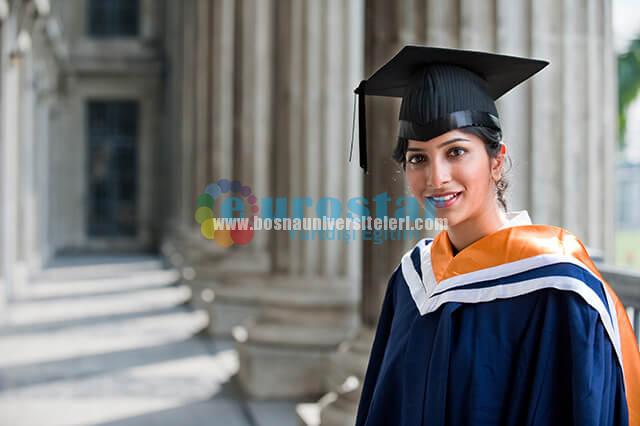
x: 438, y: 174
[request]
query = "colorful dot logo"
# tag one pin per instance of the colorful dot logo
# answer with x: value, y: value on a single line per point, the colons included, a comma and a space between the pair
x: 225, y: 234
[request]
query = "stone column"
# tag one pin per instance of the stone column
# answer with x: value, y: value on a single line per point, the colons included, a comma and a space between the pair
x: 171, y: 197
x: 44, y: 82
x: 608, y: 89
x: 572, y: 136
x: 184, y: 66
x: 10, y: 157
x: 227, y: 280
x: 202, y: 65
x: 39, y: 86
x: 512, y: 38
x: 387, y: 28
x: 221, y: 89
x: 27, y: 165
x: 199, y: 251
x: 188, y: 245
x: 180, y: 232
x: 4, y: 282
x: 189, y: 151
x: 310, y: 298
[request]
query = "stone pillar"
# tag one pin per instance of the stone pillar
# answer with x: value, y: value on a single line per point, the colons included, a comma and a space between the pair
x: 27, y: 165
x: 188, y: 246
x: 202, y: 64
x: 24, y: 159
x: 22, y: 140
x: 44, y: 81
x: 227, y: 280
x: 547, y: 89
x: 388, y: 27
x: 182, y: 244
x: 198, y: 250
x: 572, y: 140
x: 186, y: 119
x: 608, y: 88
x: 171, y: 197
x: 39, y: 87
x: 4, y: 283
x: 10, y: 157
x: 310, y: 298
x: 512, y: 38
x: 221, y: 88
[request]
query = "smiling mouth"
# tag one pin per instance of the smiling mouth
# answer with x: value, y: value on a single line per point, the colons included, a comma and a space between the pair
x: 445, y: 200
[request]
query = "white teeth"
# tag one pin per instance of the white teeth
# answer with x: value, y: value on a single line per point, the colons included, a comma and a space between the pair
x: 445, y: 198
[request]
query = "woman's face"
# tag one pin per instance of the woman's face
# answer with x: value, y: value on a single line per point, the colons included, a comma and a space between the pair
x: 454, y: 175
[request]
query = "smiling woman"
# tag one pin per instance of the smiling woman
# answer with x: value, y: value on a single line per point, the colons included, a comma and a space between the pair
x: 495, y: 320
x: 460, y: 175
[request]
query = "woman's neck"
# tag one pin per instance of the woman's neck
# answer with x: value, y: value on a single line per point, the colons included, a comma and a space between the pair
x: 471, y: 230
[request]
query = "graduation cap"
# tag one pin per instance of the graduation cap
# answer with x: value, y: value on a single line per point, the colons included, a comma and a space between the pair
x: 442, y: 90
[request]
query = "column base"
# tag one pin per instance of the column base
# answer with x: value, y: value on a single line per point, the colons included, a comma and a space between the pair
x: 345, y: 376
x: 235, y: 300
x: 197, y: 250
x: 201, y: 262
x: 284, y: 351
x: 228, y: 287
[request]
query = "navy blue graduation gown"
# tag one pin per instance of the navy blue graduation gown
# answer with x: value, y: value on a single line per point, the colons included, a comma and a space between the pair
x: 538, y: 358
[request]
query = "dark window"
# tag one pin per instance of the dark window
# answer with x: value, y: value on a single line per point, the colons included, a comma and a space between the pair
x: 112, y: 167
x: 114, y: 18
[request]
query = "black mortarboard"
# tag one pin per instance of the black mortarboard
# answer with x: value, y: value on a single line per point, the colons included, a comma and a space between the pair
x: 443, y: 89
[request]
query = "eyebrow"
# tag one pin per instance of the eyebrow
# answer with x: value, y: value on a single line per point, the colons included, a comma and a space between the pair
x: 442, y: 144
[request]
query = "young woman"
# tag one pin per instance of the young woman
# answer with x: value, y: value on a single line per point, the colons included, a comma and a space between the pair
x: 495, y: 321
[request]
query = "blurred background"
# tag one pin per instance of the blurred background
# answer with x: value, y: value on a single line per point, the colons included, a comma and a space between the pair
x: 115, y: 117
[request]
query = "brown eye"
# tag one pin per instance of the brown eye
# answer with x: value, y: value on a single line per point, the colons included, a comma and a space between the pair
x: 416, y: 159
x: 456, y: 152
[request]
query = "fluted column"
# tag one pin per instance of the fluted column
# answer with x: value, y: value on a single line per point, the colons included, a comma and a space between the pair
x: 228, y: 281
x: 311, y: 295
x: 221, y: 90
x: 608, y: 142
x: 40, y: 96
x: 202, y: 64
x: 46, y: 78
x: 572, y: 136
x: 4, y: 282
x: 388, y: 27
x: 22, y: 168
x: 513, y: 33
x: 184, y: 64
x: 192, y: 62
x: 547, y: 94
x: 172, y: 128
x: 10, y: 158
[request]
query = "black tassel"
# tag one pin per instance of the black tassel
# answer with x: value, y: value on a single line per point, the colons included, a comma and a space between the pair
x: 362, y: 124
x: 353, y: 127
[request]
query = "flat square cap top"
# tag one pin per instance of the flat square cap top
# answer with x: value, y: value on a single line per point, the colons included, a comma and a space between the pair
x: 501, y: 72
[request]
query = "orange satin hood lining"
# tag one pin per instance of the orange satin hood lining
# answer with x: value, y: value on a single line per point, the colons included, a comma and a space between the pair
x: 503, y: 246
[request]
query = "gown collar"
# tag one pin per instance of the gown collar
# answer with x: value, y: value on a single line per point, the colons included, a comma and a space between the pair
x: 516, y: 218
x: 477, y: 255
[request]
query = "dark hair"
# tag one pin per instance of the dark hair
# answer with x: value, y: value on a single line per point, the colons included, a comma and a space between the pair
x: 490, y: 137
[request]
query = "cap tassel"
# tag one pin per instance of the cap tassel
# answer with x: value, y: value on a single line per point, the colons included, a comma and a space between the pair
x: 362, y: 124
x: 353, y: 126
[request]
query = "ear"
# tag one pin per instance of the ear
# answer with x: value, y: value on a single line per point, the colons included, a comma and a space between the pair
x: 497, y: 163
